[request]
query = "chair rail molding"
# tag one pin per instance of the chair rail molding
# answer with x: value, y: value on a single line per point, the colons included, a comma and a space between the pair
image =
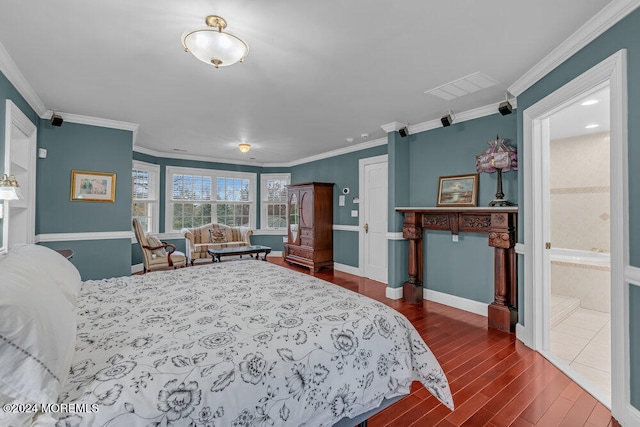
x: 92, y: 235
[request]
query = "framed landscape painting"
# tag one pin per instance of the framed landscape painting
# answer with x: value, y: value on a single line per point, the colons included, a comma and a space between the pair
x: 459, y: 190
x: 93, y: 186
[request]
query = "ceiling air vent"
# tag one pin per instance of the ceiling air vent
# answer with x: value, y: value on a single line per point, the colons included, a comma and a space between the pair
x: 464, y: 86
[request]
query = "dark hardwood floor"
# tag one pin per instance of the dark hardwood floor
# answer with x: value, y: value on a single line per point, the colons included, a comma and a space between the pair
x: 494, y: 378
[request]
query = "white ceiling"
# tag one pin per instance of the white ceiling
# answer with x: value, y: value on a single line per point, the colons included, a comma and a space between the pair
x: 318, y: 72
x: 573, y: 119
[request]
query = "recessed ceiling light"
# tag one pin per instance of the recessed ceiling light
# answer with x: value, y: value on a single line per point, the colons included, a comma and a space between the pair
x: 592, y: 126
x: 589, y: 102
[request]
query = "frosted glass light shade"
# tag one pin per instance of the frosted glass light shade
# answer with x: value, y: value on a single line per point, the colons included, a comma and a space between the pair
x: 9, y: 188
x: 213, y: 46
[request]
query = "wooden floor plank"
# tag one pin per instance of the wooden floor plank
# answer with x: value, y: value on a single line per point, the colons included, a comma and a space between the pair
x: 556, y: 413
x: 600, y: 416
x: 580, y: 411
x: 494, y: 378
x: 541, y: 403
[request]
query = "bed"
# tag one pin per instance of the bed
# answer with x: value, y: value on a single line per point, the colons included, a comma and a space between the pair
x: 238, y: 343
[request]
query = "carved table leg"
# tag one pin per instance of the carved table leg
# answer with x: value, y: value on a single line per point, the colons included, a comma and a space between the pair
x: 502, y: 313
x: 412, y: 288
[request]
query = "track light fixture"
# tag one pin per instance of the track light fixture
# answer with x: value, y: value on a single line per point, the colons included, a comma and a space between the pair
x: 447, y: 120
x: 505, y: 107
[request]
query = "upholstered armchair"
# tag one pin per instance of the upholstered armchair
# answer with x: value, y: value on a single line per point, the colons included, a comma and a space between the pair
x: 156, y: 254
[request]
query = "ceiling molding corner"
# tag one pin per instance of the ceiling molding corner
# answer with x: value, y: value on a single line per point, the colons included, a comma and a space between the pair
x: 11, y: 71
x: 93, y: 121
x: 393, y: 126
x: 598, y: 24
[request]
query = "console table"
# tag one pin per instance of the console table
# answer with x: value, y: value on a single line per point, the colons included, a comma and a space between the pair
x: 499, y: 223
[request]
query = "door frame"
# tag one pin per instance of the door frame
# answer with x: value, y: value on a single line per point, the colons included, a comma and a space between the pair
x: 15, y: 117
x: 361, y: 215
x: 535, y: 128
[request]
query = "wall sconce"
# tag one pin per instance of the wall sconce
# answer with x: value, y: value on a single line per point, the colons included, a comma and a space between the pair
x: 9, y: 188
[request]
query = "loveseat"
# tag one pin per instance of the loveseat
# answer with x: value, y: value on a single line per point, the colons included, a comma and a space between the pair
x: 213, y: 236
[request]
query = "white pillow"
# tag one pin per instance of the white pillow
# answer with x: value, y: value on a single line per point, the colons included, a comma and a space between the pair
x: 54, y: 266
x: 37, y: 334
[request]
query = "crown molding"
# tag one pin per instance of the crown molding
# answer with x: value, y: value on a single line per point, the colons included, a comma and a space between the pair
x: 340, y: 151
x: 393, y: 126
x: 476, y: 113
x: 610, y: 15
x: 17, y: 79
x: 94, y: 121
x: 195, y: 157
x: 328, y: 154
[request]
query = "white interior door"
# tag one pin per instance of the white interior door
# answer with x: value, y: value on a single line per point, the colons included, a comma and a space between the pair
x: 576, y: 225
x: 534, y: 332
x: 374, y: 205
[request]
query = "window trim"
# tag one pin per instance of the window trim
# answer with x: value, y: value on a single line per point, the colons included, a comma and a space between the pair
x: 154, y: 187
x: 214, y: 174
x: 263, y: 200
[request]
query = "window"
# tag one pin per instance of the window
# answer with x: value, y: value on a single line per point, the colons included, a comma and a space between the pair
x: 145, y: 185
x: 197, y: 197
x: 233, y: 207
x: 273, y: 190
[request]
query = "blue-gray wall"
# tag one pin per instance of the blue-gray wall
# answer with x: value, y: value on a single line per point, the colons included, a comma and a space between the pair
x: 463, y: 268
x: 343, y: 171
x: 624, y: 35
x: 415, y: 164
x: 86, y: 148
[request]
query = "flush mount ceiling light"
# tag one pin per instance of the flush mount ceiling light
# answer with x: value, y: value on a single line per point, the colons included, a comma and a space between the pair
x: 244, y: 147
x: 214, y: 46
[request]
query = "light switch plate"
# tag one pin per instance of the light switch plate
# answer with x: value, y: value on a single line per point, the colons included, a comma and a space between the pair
x: 454, y: 237
x: 354, y: 213
x: 340, y: 200
x: 42, y: 153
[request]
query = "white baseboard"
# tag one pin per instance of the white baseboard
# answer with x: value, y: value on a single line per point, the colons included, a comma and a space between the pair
x: 393, y: 293
x: 632, y: 416
x: 456, y: 302
x: 521, y: 334
x: 137, y: 268
x: 275, y: 254
x: 346, y: 268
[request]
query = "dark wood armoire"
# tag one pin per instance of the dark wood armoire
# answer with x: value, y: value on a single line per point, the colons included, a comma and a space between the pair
x: 310, y: 225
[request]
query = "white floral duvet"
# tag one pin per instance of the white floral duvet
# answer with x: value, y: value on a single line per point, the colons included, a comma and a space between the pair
x: 238, y: 343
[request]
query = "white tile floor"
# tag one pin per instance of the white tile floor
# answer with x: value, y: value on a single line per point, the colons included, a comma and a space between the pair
x: 582, y: 338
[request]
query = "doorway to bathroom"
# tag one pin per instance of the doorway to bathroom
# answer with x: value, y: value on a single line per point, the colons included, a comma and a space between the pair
x: 577, y: 224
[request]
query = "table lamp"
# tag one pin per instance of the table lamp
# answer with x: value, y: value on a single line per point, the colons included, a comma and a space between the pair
x: 498, y: 157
